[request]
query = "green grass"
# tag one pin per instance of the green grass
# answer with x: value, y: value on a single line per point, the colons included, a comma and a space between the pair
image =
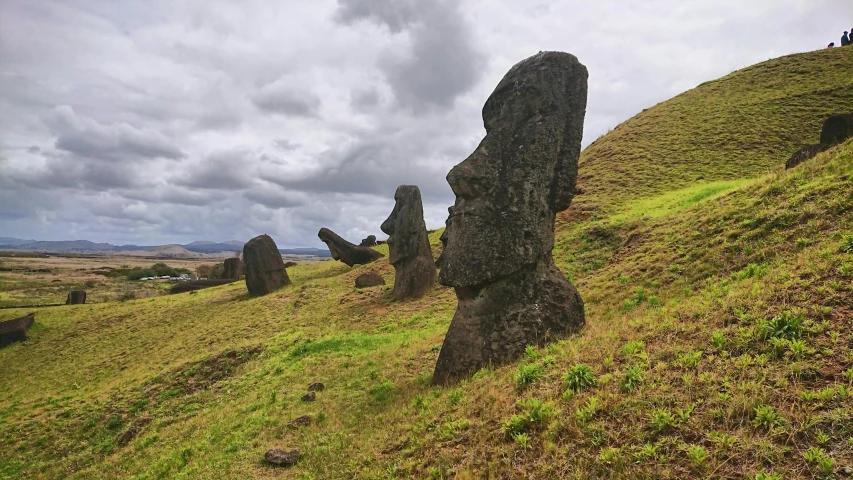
x: 718, y: 337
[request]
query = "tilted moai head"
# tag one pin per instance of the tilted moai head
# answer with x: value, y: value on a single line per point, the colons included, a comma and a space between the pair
x: 524, y: 171
x: 405, y: 226
x: 500, y: 231
x: 345, y: 251
x: 408, y: 245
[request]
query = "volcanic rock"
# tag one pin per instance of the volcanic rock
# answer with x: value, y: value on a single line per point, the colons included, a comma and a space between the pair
x: 15, y: 330
x: 345, y: 251
x: 263, y: 266
x: 233, y: 268
x: 76, y: 297
x: 408, y: 245
x: 500, y: 231
x: 369, y: 279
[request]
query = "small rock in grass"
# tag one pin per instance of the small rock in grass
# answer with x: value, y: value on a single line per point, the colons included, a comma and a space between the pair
x: 309, y: 397
x: 316, y: 387
x: 298, y: 422
x: 286, y: 458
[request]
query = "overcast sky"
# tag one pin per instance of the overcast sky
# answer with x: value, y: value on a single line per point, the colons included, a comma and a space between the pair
x: 165, y: 122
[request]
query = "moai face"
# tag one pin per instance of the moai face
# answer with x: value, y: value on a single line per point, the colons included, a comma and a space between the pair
x: 405, y: 225
x: 524, y: 171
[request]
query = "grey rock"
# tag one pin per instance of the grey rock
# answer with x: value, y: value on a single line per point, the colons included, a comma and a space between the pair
x: 408, y: 245
x: 299, y: 422
x: 806, y: 153
x: 263, y: 266
x: 500, y: 231
x: 290, y: 264
x: 15, y: 330
x: 345, y: 251
x: 837, y: 129
x: 76, y: 297
x: 233, y: 268
x: 285, y: 458
x: 316, y: 387
x: 309, y: 397
x: 369, y: 279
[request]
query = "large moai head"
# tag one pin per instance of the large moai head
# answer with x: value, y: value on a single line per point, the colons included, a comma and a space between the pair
x: 345, y: 251
x: 263, y: 266
x: 405, y: 226
x: 524, y: 171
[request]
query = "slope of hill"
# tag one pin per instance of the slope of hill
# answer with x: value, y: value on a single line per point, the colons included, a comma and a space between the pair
x: 719, y: 341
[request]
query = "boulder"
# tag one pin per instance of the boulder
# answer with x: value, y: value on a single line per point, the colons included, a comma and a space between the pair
x: 369, y: 279
x: 316, y: 387
x: 309, y: 397
x: 232, y: 268
x: 408, y: 245
x: 370, y: 241
x: 76, y: 297
x: 806, y: 153
x: 299, y: 422
x: 345, y: 251
x: 284, y: 458
x: 263, y: 266
x: 290, y: 264
x: 15, y: 330
x: 837, y: 129
x: 500, y: 232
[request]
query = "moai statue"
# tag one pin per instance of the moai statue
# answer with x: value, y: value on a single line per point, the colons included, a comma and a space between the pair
x: 263, y: 266
x: 500, y: 231
x: 345, y: 251
x: 408, y: 245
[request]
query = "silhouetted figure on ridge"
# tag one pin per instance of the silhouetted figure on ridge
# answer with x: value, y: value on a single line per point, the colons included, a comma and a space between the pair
x: 845, y: 40
x: 831, y: 45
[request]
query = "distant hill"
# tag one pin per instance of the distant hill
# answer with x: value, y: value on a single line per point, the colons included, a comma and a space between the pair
x: 4, y: 241
x: 196, y: 247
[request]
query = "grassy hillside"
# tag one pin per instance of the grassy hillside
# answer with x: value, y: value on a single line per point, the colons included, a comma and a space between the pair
x: 719, y: 341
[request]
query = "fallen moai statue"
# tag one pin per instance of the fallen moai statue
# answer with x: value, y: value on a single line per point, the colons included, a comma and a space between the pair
x: 15, y: 330
x: 345, y: 251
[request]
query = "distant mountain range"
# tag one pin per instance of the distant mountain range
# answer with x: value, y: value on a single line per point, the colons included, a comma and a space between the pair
x: 85, y: 246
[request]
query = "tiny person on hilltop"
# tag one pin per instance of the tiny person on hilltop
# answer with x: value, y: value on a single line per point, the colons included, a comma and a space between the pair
x: 831, y: 45
x: 845, y: 40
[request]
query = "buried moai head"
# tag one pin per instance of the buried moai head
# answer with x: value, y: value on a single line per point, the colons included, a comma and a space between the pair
x: 408, y: 245
x: 500, y: 231
x: 524, y: 171
x: 263, y: 266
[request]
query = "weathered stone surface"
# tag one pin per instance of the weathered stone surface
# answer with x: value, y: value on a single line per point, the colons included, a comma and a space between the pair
x: 15, y: 330
x: 290, y: 264
x: 345, y: 251
x: 263, y: 266
x: 837, y: 129
x: 369, y: 279
x: 299, y: 422
x: 193, y: 285
x: 233, y: 268
x: 806, y: 153
x: 408, y: 245
x: 285, y: 458
x: 370, y: 241
x: 76, y: 297
x: 309, y: 397
x: 500, y: 232
x: 316, y: 387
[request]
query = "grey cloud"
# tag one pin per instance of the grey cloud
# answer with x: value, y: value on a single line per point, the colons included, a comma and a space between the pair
x: 225, y: 170
x: 279, y: 97
x: 33, y: 149
x: 365, y: 98
x: 285, y: 144
x: 271, y: 197
x: 87, y: 138
x: 444, y: 61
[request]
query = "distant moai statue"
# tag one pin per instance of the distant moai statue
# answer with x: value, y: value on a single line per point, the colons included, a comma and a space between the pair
x: 408, y: 245
x: 370, y: 241
x: 500, y: 231
x: 76, y: 297
x: 263, y: 266
x: 233, y: 268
